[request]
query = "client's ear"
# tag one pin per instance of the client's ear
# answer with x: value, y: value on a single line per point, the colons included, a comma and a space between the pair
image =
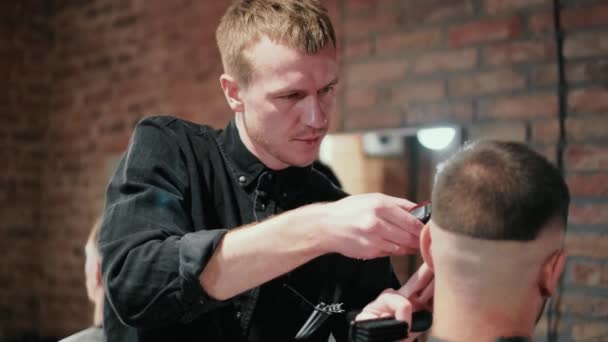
x: 425, y: 246
x: 551, y: 271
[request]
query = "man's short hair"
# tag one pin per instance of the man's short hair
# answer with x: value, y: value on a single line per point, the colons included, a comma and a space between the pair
x: 498, y: 190
x: 300, y: 24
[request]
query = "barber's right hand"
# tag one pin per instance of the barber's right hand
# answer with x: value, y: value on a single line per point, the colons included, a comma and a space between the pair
x: 370, y: 226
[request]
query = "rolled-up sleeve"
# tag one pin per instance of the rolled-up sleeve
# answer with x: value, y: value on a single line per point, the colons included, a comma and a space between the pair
x: 152, y: 255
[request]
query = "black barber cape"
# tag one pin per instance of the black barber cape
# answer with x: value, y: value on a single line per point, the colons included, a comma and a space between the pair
x: 178, y: 189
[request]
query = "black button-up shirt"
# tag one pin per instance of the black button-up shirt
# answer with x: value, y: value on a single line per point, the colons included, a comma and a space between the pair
x: 179, y: 188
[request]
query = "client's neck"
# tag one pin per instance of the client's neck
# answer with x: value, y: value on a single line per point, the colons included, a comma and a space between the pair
x: 457, y: 318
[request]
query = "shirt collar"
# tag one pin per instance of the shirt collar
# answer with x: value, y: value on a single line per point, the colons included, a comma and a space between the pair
x: 246, y: 167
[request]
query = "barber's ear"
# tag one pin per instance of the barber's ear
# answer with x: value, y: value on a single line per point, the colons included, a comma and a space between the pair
x: 551, y: 272
x: 231, y: 91
x: 425, y: 246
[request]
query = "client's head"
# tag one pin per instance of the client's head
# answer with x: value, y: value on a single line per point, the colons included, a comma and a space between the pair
x: 495, y: 240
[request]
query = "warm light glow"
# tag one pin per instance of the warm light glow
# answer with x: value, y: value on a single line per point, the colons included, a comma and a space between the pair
x: 436, y: 138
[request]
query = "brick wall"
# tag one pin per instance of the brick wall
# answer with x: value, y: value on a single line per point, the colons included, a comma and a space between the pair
x: 82, y: 73
x: 24, y: 42
x: 493, y: 63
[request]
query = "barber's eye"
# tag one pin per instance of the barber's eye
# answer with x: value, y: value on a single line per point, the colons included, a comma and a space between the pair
x: 326, y: 90
x: 293, y: 96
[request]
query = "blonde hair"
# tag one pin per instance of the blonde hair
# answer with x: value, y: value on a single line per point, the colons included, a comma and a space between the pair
x: 300, y: 24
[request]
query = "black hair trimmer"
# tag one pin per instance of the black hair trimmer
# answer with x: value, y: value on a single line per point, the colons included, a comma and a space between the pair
x: 388, y: 329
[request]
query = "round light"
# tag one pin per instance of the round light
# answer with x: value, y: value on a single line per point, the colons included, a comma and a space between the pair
x: 436, y: 138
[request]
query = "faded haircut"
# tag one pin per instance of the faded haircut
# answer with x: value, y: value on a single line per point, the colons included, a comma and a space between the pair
x: 303, y: 25
x: 498, y: 190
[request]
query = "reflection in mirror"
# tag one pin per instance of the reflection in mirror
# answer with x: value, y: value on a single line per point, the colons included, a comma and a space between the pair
x: 392, y: 161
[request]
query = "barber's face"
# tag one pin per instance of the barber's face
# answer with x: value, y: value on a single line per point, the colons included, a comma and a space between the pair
x: 288, y: 104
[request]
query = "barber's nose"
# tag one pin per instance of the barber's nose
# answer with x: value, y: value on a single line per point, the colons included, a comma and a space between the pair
x: 313, y: 114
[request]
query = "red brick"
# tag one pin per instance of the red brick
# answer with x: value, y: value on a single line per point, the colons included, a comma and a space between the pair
x: 594, y: 71
x: 586, y: 44
x: 547, y: 151
x: 450, y: 60
x: 486, y: 83
x: 377, y: 119
x: 527, y: 106
x: 591, y: 213
x: 586, y: 157
x: 408, y: 40
x: 541, y: 22
x: 585, y: 16
x: 498, y: 130
x: 360, y: 6
x: 375, y: 72
x: 370, y: 22
x: 485, y: 31
x: 334, y: 8
x: 358, y: 98
x: 436, y: 11
x: 499, y: 6
x: 605, y: 275
x: 358, y: 49
x: 545, y: 131
x: 586, y: 71
x: 589, y: 331
x: 113, y: 144
x: 581, y: 129
x: 585, y: 273
x: 417, y: 92
x: 592, y: 100
x: 588, y: 184
x: 433, y: 113
x: 588, y: 305
x: 519, y: 52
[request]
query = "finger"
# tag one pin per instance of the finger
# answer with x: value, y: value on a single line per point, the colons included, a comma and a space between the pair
x: 426, y: 295
x: 388, y: 304
x: 418, y: 281
x: 403, y: 220
x: 402, y: 202
x: 398, y: 236
x: 371, y: 315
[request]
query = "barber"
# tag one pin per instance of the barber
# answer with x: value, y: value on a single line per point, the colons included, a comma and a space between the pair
x: 208, y: 233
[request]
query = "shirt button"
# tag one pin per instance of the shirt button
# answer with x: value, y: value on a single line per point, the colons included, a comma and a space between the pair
x: 237, y: 315
x: 242, y: 179
x: 284, y: 194
x: 262, y: 206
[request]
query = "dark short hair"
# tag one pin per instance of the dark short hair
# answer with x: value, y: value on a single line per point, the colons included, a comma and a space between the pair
x: 498, y: 190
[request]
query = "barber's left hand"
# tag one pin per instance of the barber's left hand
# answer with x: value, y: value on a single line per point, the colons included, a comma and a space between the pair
x: 415, y: 295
